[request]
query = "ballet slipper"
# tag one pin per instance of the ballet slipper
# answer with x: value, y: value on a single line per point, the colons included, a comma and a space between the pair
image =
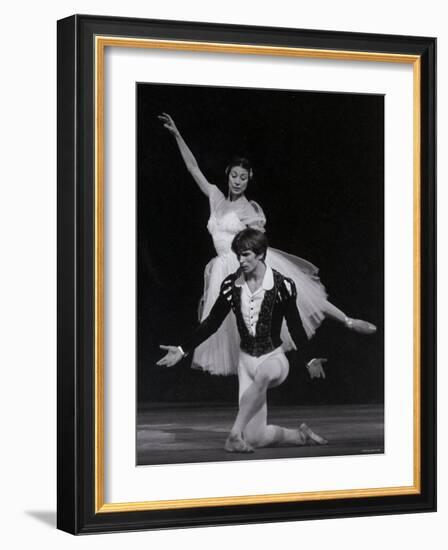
x: 236, y: 444
x: 358, y: 325
x: 311, y: 438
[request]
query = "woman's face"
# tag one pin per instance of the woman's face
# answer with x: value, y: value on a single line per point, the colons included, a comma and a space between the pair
x: 238, y: 181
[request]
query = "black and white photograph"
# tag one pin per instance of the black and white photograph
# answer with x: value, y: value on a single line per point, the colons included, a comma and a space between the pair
x: 140, y: 139
x: 260, y: 274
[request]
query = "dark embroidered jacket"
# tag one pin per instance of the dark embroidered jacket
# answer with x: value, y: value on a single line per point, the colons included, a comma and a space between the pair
x: 278, y: 303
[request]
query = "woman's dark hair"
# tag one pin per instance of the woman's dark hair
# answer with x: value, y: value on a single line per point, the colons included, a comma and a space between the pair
x: 250, y: 239
x: 240, y: 161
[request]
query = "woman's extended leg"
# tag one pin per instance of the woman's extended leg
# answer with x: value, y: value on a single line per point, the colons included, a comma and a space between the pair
x: 358, y: 325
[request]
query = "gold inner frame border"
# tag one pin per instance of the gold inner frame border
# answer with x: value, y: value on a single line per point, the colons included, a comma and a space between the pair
x: 100, y: 44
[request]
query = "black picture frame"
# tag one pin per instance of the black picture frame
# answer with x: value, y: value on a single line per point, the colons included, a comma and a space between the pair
x: 81, y: 506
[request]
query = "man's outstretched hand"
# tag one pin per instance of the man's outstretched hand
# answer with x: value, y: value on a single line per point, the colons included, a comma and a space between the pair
x: 173, y: 356
x: 315, y: 368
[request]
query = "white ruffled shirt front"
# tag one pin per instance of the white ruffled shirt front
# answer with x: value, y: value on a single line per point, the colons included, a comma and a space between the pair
x: 251, y: 301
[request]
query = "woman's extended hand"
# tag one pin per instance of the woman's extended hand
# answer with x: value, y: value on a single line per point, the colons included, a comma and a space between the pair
x: 173, y: 356
x: 169, y: 124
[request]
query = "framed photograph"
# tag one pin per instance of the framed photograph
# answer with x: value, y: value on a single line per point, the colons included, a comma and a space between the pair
x: 246, y: 274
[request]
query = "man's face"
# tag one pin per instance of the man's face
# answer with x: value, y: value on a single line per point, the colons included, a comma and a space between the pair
x: 249, y: 261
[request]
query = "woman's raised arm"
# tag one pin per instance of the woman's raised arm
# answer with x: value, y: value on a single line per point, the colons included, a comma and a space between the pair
x: 187, y: 155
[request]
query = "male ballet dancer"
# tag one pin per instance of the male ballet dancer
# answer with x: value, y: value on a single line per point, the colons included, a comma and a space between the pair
x: 260, y: 298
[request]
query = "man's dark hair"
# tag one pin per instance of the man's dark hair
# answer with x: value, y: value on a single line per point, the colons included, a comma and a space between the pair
x: 250, y: 239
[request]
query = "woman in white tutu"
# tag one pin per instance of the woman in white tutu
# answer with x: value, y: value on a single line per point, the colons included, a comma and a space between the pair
x: 228, y: 216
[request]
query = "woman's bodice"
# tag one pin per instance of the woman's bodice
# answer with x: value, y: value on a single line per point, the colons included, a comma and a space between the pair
x: 223, y: 229
x: 229, y: 218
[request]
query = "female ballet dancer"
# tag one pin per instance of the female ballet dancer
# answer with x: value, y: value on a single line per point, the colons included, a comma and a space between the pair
x: 228, y: 216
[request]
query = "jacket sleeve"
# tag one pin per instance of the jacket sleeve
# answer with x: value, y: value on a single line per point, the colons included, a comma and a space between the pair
x: 305, y: 348
x: 213, y: 321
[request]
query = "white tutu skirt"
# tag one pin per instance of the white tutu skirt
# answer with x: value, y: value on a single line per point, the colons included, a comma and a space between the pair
x: 219, y: 354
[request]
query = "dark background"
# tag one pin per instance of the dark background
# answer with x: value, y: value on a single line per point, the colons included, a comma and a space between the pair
x: 318, y: 174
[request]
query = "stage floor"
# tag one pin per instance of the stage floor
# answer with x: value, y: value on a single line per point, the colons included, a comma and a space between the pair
x: 177, y: 434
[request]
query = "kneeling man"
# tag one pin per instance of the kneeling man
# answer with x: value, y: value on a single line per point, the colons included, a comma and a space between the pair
x: 261, y: 298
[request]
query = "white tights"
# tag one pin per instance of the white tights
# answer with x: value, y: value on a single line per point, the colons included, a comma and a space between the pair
x: 256, y: 375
